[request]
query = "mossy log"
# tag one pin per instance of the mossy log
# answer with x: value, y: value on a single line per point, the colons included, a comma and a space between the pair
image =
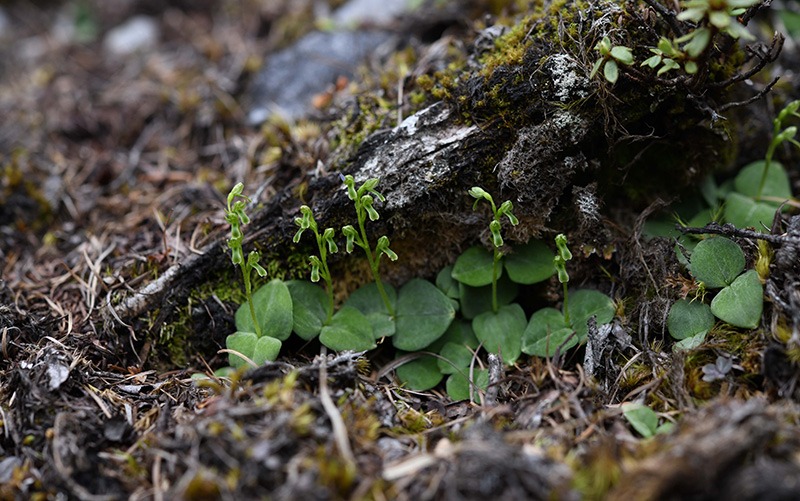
x: 521, y: 118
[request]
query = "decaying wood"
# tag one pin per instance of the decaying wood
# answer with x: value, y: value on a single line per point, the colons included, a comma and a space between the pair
x: 559, y: 139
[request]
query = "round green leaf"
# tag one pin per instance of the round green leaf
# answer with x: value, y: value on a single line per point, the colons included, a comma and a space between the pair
x: 743, y: 212
x: 474, y: 267
x: 622, y: 54
x: 740, y: 304
x: 476, y: 300
x: 242, y: 342
x: 611, y: 71
x: 546, y: 333
x: 585, y: 303
x: 457, y: 356
x: 423, y: 314
x: 689, y: 318
x: 273, y: 305
x: 266, y: 349
x: 458, y: 387
x: 530, y: 263
x: 309, y: 304
x: 368, y: 301
x: 420, y: 374
x: 776, y: 185
x: 349, y: 330
x: 716, y: 262
x: 501, y: 332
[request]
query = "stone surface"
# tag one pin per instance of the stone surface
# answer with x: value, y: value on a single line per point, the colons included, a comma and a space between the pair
x: 292, y: 77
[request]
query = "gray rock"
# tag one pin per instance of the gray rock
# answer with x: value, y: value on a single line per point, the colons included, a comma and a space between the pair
x: 293, y: 76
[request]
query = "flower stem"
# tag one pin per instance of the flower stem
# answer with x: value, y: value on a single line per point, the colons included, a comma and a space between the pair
x: 768, y: 159
x: 249, y: 291
x: 497, y: 255
x: 326, y: 274
x: 373, y: 263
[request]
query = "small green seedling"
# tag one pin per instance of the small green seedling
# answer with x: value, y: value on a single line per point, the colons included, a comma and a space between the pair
x: 710, y: 17
x: 762, y: 186
x: 346, y: 329
x: 495, y: 226
x: 414, y: 316
x: 611, y: 56
x: 500, y: 330
x: 325, y: 245
x: 236, y: 216
x: 364, y: 198
x: 551, y: 331
x: 250, y: 340
x: 669, y: 56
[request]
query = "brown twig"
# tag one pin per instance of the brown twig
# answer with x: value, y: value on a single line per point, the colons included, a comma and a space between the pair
x: 730, y: 230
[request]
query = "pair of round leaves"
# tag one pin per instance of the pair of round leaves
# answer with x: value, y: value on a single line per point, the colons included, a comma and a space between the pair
x: 273, y: 309
x: 422, y: 315
x: 718, y: 262
x: 258, y: 350
x: 548, y: 331
x: 739, y: 304
x: 348, y: 328
x: 528, y: 264
x: 455, y: 349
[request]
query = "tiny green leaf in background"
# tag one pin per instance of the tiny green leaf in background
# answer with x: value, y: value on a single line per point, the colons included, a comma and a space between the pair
x: 420, y: 374
x: 242, y: 342
x: 690, y: 343
x: 446, y: 283
x: 266, y: 349
x: 546, y: 333
x: 743, y: 212
x: 585, y: 303
x: 458, y: 387
x: 456, y: 357
x: 776, y: 182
